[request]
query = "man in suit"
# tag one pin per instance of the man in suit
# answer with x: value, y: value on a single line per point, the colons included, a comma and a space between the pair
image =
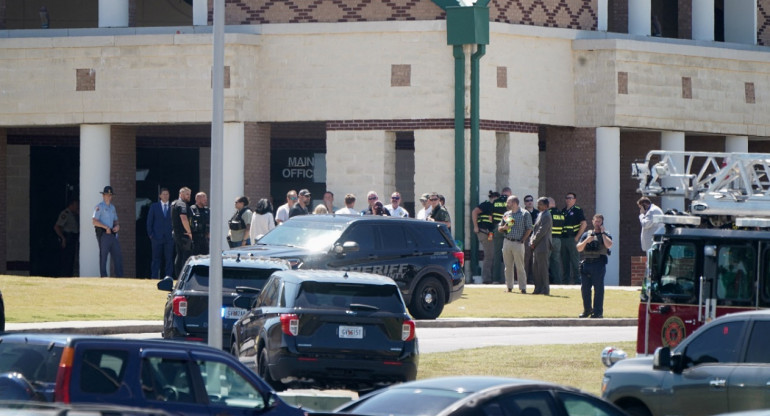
x: 541, y: 244
x: 159, y: 231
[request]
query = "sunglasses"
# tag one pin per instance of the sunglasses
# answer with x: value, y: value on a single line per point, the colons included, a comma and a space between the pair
x: 527, y: 200
x: 372, y: 198
x: 570, y: 197
x: 395, y: 197
x: 434, y: 199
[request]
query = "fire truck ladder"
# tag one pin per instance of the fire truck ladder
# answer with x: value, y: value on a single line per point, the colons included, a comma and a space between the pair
x: 726, y: 185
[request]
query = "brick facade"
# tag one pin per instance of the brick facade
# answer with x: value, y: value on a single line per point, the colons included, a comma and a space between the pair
x: 123, y: 180
x: 570, y: 167
x: 3, y: 193
x: 256, y: 181
x: 638, y: 268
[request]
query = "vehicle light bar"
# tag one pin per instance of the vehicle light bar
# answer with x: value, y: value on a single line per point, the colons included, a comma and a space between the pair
x: 676, y: 219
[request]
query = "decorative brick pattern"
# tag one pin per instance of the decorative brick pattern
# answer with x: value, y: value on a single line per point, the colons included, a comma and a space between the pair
x: 684, y: 22
x: 123, y: 180
x: 502, y: 77
x: 574, y: 14
x: 763, y: 22
x: 256, y: 181
x: 638, y: 267
x: 749, y: 91
x: 617, y: 16
x: 687, y: 88
x: 431, y: 124
x: 85, y: 79
x: 622, y: 82
x: 3, y: 195
x: 400, y: 75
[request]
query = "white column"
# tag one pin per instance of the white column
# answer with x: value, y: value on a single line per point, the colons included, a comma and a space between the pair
x: 639, y: 17
x: 200, y: 13
x: 741, y: 21
x: 703, y: 19
x: 233, y: 169
x: 601, y: 15
x: 94, y: 176
x: 737, y: 144
x: 608, y: 193
x: 673, y: 140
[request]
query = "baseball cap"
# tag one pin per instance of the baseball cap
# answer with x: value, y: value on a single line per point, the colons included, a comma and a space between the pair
x: 304, y: 192
x: 424, y: 197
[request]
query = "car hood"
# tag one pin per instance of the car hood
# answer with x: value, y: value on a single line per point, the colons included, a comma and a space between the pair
x: 631, y: 365
x: 283, y: 252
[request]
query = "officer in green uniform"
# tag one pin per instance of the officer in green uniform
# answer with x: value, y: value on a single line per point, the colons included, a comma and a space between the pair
x: 554, y: 259
x: 67, y: 227
x: 573, y: 227
x: 498, y: 209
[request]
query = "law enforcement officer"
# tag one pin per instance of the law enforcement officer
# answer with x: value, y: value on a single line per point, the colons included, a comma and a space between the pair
x: 572, y: 228
x: 594, y: 248
x: 554, y: 259
x: 67, y: 227
x: 199, y: 224
x: 498, y: 209
x: 105, y: 221
x: 484, y: 229
x: 181, y: 229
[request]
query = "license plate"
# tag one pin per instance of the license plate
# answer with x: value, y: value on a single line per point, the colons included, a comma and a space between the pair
x: 351, y: 332
x: 234, y: 313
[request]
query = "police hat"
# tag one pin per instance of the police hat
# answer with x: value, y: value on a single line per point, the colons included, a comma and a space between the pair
x: 107, y: 190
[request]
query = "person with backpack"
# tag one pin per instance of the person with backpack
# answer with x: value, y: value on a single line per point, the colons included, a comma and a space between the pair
x: 240, y: 224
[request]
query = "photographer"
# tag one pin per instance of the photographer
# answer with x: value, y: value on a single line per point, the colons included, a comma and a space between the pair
x: 594, y: 248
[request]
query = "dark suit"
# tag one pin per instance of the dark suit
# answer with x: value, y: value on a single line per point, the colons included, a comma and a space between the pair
x: 159, y: 231
x: 541, y: 240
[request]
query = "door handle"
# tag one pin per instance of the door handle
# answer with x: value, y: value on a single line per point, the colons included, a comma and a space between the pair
x: 372, y: 257
x: 720, y: 382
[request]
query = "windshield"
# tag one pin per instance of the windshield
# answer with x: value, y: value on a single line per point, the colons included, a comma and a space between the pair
x: 232, y: 277
x: 311, y: 235
x: 412, y: 402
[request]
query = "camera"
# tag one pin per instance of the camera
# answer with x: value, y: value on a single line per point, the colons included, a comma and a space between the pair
x: 593, y: 245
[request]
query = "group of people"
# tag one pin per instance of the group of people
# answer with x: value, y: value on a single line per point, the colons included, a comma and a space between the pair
x: 544, y: 243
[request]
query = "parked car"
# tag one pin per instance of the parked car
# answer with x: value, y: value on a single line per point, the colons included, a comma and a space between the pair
x: 185, y: 316
x: 29, y: 408
x: 478, y: 396
x: 420, y: 256
x: 327, y: 329
x: 178, y: 377
x: 722, y: 367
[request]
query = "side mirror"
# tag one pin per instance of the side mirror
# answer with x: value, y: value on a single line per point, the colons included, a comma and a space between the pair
x: 167, y: 284
x: 243, y: 302
x: 662, y: 359
x: 346, y: 247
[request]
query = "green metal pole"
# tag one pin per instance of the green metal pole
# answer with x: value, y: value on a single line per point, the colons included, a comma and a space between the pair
x: 475, y: 139
x: 459, y: 56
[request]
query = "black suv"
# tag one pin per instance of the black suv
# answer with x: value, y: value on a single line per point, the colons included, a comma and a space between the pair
x: 420, y: 256
x: 327, y: 329
x: 185, y: 316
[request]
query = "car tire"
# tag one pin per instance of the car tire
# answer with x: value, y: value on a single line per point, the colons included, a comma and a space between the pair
x: 637, y: 410
x: 264, y: 372
x: 428, y: 299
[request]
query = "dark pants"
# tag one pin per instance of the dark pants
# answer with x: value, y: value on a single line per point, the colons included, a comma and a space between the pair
x: 162, y: 248
x: 592, y: 274
x: 554, y: 261
x: 110, y: 245
x: 68, y: 254
x: 498, y: 275
x: 183, y: 251
x: 200, y: 244
x: 570, y: 261
x: 488, y: 247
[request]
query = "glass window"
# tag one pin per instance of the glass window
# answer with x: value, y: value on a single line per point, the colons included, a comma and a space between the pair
x: 764, y: 282
x: 346, y: 295
x: 678, y: 275
x: 735, y: 275
x: 431, y: 237
x: 531, y: 403
x: 364, y: 235
x: 268, y: 297
x: 225, y: 386
x: 759, y: 343
x: 581, y: 405
x: 167, y: 380
x: 411, y: 401
x: 394, y: 238
x: 717, y: 344
x: 312, y: 235
x: 36, y: 362
x: 231, y: 277
x: 102, y: 371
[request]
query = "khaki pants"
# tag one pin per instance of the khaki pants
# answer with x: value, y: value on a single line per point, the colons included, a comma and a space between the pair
x: 513, y: 256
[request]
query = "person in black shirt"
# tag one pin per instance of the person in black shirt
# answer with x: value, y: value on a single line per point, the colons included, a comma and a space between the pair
x: 300, y: 208
x: 180, y: 224
x: 484, y: 229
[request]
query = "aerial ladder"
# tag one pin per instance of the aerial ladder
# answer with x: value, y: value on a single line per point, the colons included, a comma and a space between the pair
x: 723, y: 188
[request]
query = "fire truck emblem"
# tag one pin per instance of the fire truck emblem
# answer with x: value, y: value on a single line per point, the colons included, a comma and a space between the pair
x: 673, y: 332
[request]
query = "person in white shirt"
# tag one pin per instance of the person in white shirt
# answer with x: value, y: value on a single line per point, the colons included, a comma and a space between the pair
x: 350, y: 201
x: 283, y: 211
x: 394, y: 208
x: 261, y: 220
x: 426, y: 207
x: 646, y: 211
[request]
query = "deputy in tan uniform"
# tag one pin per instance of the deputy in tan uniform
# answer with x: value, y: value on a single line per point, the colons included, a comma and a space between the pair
x: 67, y: 227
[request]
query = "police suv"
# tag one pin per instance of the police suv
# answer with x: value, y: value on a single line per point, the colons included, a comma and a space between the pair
x: 420, y: 256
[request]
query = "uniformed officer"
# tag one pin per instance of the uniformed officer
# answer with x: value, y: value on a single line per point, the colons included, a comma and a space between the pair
x: 498, y: 209
x: 594, y: 249
x: 105, y: 220
x: 67, y: 227
x: 180, y: 224
x: 573, y: 227
x: 199, y: 224
x: 484, y: 229
x: 554, y: 259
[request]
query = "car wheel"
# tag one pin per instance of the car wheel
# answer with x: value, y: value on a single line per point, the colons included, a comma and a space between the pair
x: 637, y: 410
x: 428, y: 299
x: 264, y: 373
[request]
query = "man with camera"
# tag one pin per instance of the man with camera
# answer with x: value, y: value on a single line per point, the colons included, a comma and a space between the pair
x: 594, y: 247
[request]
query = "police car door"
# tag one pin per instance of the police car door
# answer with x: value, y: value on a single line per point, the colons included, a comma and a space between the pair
x: 365, y: 257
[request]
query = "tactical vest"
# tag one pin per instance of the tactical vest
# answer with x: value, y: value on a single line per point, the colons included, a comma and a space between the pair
x: 570, y: 230
x: 498, y: 209
x: 558, y: 221
x: 199, y: 219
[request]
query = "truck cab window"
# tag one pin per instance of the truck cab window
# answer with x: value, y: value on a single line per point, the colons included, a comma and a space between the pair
x: 735, y: 275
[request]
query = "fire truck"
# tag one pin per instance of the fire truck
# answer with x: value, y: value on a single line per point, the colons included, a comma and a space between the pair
x: 713, y: 259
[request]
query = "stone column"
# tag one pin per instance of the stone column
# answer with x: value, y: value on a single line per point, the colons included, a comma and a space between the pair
x: 123, y: 180
x: 200, y: 13
x: 233, y: 172
x: 94, y: 176
x: 673, y: 140
x: 737, y: 144
x: 373, y: 170
x: 430, y: 175
x: 703, y: 20
x: 602, y: 15
x: 608, y: 193
x: 639, y: 17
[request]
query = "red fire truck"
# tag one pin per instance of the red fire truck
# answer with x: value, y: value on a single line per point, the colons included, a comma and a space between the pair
x: 713, y: 260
